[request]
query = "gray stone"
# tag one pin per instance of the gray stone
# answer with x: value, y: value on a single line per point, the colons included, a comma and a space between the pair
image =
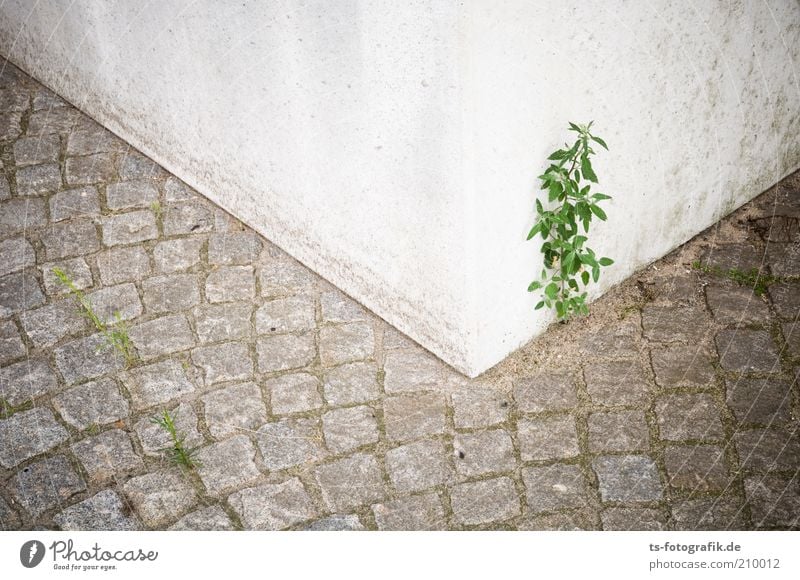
x: 36, y: 150
x: 87, y: 358
x: 618, y: 431
x: 238, y: 407
x: 627, y: 478
x: 674, y: 323
x: 791, y: 331
x: 485, y: 502
x: 295, y: 393
x: 555, y: 487
x: 9, y: 520
x: 336, y: 523
x: 617, y: 383
x: 91, y: 404
x: 160, y: 497
x: 717, y: 513
x: 231, y: 284
x: 10, y: 126
x: 227, y: 465
x: 90, y: 169
x: 351, y: 383
x: 187, y: 219
x: 11, y: 345
x: 688, y: 416
x: 293, y: 314
x: 350, y: 482
x: 25, y: 380
x: 162, y: 336
x: 273, y: 506
x: 45, y: 485
x: 19, y: 292
x: 5, y: 189
x: 239, y: 248
x: 683, y: 366
x: 418, y: 466
x: 336, y: 307
x: 177, y: 255
x: 156, y: 384
x: 220, y: 322
x: 16, y: 254
x: 411, y: 371
x: 88, y: 137
x: 783, y: 259
x: 226, y: 223
x: 108, y: 456
x: 27, y: 434
x: 742, y: 256
x: 546, y: 391
x: 115, y: 303
x: 131, y: 194
x: 484, y: 452
x: 118, y: 265
x: 72, y: 203
x: 38, y: 179
x: 212, y: 518
x: 14, y: 99
x: 167, y: 294
x: 76, y: 270
x: 285, y: 277
x: 413, y: 416
x: 785, y: 297
x: 229, y: 361
x: 52, y: 121
x: 129, y: 228
x: 479, y: 407
x: 134, y: 165
x: 747, y: 351
x: 18, y: 215
x: 573, y: 521
x: 774, y: 501
x: 414, y: 513
x: 634, y: 519
x: 696, y: 469
x: 290, y: 442
x: 101, y: 512
x: 393, y: 338
x: 548, y: 438
x: 763, y: 401
x: 76, y: 237
x: 155, y: 439
x: 768, y: 449
x: 346, y: 343
x: 736, y: 305
x: 284, y: 352
x: 176, y: 190
x: 617, y: 341
x: 351, y: 428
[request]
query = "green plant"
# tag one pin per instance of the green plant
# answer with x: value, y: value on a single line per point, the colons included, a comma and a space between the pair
x: 157, y: 209
x: 758, y: 281
x: 178, y: 453
x: 116, y: 334
x: 568, y: 261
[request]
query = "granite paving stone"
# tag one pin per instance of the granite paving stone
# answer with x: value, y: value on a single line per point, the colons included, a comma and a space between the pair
x: 284, y: 352
x: 26, y: 434
x: 239, y: 248
x: 162, y: 336
x: 717, y: 513
x: 11, y: 345
x: 696, y: 469
x: 38, y: 179
x: 231, y: 284
x: 634, y: 519
x: 683, y: 366
x: 25, y: 380
x: 774, y: 501
x: 285, y: 277
x: 234, y: 409
x: 156, y: 384
x: 187, y: 219
x: 134, y: 165
x: 131, y: 194
x: 19, y: 292
x: 273, y: 506
x: 351, y: 383
x: 618, y: 431
x: 688, y: 416
x: 485, y: 502
x: 627, y: 478
x: 289, y: 442
x: 104, y: 511
x: 127, y: 264
x: 36, y: 150
x: 350, y: 428
x: 74, y: 237
x: 747, y: 351
x: 223, y: 322
x: 674, y: 324
x: 479, y: 408
x: 785, y: 297
x: 16, y: 254
x: 293, y: 314
x: 90, y: 169
x: 350, y: 482
x: 129, y: 228
x: 764, y: 401
x: 229, y: 361
x: 293, y: 393
x: 336, y: 523
x: 548, y: 438
x: 411, y: 371
x: 412, y: 513
x: 108, y: 456
x: 337, y: 307
x: 736, y: 305
x: 547, y: 391
x: 768, y: 449
x: 212, y: 518
x: 177, y: 255
x: 20, y: 214
x: 346, y: 343
x: 160, y: 497
x: 87, y: 358
x: 112, y: 303
x: 490, y: 451
x: 554, y: 487
x: 76, y: 269
x: 45, y: 485
x: 171, y: 293
x: 74, y: 203
x: 617, y: 383
x: 154, y: 439
x: 408, y: 417
x: 227, y: 465
x: 95, y: 403
x: 418, y: 466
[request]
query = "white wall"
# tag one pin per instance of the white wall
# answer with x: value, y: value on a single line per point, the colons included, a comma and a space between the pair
x: 393, y: 147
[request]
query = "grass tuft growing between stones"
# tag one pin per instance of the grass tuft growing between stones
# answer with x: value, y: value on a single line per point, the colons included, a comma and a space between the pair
x: 752, y: 278
x: 178, y: 453
x: 116, y: 334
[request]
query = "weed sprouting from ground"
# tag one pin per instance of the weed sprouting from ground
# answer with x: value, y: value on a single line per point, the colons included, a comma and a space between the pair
x: 758, y: 281
x: 178, y: 453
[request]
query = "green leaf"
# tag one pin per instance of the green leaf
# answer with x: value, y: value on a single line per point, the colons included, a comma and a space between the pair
x: 574, y: 127
x: 600, y: 196
x: 534, y: 230
x: 606, y: 261
x: 586, y: 167
x: 585, y: 277
x: 534, y: 286
x: 551, y: 291
x: 560, y: 309
x: 598, y: 212
x: 560, y: 154
x: 600, y: 141
x: 539, y: 207
x: 596, y: 273
x: 573, y: 284
x: 577, y: 176
x: 539, y: 305
x: 555, y: 191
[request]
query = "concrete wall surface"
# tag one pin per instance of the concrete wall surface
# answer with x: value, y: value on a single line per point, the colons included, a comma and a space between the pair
x: 393, y: 147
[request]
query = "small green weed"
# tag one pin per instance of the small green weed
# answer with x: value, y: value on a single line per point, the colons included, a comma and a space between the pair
x: 116, y: 334
x: 567, y: 259
x: 759, y: 282
x: 157, y: 209
x: 178, y: 453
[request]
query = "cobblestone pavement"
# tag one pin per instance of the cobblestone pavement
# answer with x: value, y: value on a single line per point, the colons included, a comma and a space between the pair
x: 674, y: 406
